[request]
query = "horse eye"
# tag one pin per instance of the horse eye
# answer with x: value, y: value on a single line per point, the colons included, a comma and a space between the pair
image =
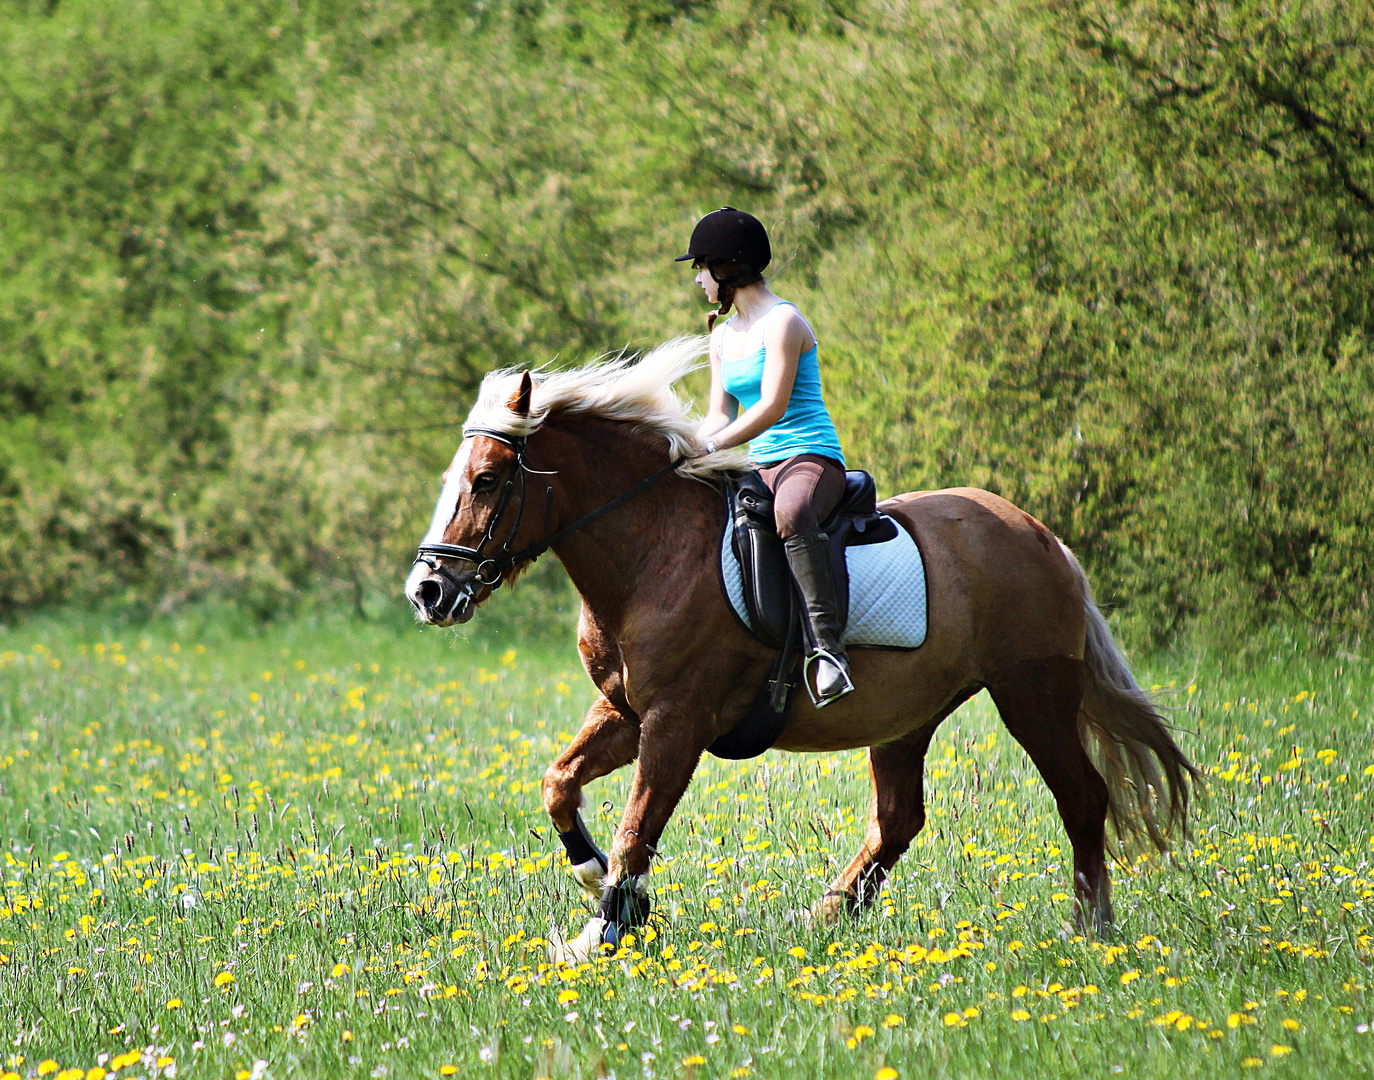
x: 483, y: 482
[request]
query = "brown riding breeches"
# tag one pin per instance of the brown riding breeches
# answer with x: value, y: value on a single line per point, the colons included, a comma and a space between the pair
x: 806, y: 489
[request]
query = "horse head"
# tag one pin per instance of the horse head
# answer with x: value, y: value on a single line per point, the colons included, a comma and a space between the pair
x: 466, y: 553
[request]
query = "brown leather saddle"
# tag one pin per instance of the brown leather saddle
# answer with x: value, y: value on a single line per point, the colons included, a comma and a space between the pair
x: 776, y: 616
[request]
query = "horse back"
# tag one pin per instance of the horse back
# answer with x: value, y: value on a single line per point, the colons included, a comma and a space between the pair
x: 995, y: 575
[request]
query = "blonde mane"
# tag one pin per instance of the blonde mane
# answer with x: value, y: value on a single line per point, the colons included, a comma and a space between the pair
x: 629, y: 388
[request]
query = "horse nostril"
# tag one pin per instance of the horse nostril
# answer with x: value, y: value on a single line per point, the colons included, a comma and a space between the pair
x: 429, y: 593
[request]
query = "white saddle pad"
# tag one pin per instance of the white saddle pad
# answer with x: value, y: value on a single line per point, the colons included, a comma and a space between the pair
x: 887, y: 591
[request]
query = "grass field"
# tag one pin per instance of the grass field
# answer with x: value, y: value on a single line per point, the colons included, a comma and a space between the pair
x: 318, y: 849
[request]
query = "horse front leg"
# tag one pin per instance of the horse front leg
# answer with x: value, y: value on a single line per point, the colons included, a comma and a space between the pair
x: 608, y: 740
x: 669, y: 749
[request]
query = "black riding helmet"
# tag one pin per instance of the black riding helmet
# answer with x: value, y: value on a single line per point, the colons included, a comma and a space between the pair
x: 732, y: 237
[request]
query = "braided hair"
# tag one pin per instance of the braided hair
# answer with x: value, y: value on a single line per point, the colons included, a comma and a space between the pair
x: 730, y: 277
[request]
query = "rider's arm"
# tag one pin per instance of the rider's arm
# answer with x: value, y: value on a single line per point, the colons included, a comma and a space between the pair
x: 721, y: 408
x: 784, y: 340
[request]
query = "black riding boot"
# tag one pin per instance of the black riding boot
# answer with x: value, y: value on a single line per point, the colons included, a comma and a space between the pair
x: 808, y: 556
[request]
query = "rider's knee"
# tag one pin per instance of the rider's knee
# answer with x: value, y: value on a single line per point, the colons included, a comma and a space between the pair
x: 794, y: 518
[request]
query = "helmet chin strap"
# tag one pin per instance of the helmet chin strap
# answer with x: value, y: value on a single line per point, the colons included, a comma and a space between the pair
x: 746, y: 273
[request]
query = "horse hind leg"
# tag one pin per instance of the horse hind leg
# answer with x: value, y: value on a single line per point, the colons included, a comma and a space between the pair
x: 1039, y: 702
x: 896, y: 815
x: 608, y: 740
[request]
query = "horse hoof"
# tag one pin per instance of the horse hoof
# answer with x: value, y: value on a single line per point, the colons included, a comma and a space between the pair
x: 830, y: 909
x: 581, y: 948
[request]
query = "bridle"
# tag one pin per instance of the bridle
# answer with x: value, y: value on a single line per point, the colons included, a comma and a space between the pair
x: 492, y: 569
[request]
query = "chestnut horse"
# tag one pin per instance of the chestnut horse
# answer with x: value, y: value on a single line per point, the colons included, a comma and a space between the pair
x: 601, y: 464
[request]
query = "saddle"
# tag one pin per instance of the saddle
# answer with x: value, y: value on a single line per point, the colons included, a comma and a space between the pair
x: 776, y: 616
x: 769, y: 595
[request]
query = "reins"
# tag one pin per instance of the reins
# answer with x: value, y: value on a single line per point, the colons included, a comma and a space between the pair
x: 492, y: 570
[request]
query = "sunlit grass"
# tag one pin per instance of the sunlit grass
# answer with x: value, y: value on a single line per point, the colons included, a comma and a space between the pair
x: 322, y: 851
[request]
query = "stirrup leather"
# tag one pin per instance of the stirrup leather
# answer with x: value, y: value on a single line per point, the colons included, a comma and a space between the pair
x: 816, y: 655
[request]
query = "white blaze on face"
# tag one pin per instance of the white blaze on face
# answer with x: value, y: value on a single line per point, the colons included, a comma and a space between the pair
x: 448, y: 498
x: 443, y: 515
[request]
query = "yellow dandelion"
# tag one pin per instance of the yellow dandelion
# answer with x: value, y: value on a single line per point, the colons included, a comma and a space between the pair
x: 224, y: 978
x: 95, y: 1073
x: 346, y: 1035
x: 892, y: 1020
x: 1019, y: 1015
x: 887, y: 1072
x: 953, y: 1019
x: 1290, y: 1024
x: 694, y: 1059
x: 862, y: 1032
x: 1250, y: 1062
x: 338, y: 969
x: 740, y: 1029
x: 1278, y: 1050
x: 46, y: 1067
x: 567, y: 997
x: 447, y: 1070
x: 174, y: 1003
x: 740, y: 1071
x: 797, y: 951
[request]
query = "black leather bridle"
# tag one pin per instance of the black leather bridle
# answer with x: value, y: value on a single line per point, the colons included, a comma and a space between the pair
x: 492, y: 569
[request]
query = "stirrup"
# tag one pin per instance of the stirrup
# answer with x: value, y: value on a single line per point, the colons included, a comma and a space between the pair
x: 840, y: 666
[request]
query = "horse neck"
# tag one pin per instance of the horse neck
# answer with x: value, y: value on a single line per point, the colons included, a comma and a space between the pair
x: 614, y: 560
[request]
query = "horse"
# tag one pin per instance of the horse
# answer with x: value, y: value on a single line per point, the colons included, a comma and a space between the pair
x: 602, y: 465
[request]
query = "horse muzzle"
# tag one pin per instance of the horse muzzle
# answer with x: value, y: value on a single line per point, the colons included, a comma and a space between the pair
x: 440, y: 598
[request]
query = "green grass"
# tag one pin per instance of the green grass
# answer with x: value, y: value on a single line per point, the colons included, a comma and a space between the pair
x: 324, y: 840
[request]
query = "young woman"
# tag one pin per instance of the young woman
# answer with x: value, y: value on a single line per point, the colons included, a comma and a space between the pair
x: 766, y: 391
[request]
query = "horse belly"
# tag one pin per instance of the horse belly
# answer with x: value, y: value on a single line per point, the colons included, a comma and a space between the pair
x: 895, y: 692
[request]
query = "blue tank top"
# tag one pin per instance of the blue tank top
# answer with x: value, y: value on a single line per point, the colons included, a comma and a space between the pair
x: 806, y: 427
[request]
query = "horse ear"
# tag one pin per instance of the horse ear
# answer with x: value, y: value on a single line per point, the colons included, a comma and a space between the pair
x: 519, y: 402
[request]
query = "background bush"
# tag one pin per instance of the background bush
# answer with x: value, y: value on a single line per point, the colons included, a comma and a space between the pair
x: 1111, y: 260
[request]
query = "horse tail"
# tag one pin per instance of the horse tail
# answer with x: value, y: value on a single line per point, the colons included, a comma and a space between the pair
x: 1149, y: 781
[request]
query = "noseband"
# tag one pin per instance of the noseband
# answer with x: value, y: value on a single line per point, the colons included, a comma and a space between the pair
x: 493, y: 569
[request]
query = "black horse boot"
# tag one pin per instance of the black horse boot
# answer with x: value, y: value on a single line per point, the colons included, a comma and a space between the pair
x: 808, y: 556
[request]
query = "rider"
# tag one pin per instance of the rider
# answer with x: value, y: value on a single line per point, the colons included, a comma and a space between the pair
x: 763, y: 358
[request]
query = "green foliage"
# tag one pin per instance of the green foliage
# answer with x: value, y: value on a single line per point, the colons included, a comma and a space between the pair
x: 1110, y: 259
